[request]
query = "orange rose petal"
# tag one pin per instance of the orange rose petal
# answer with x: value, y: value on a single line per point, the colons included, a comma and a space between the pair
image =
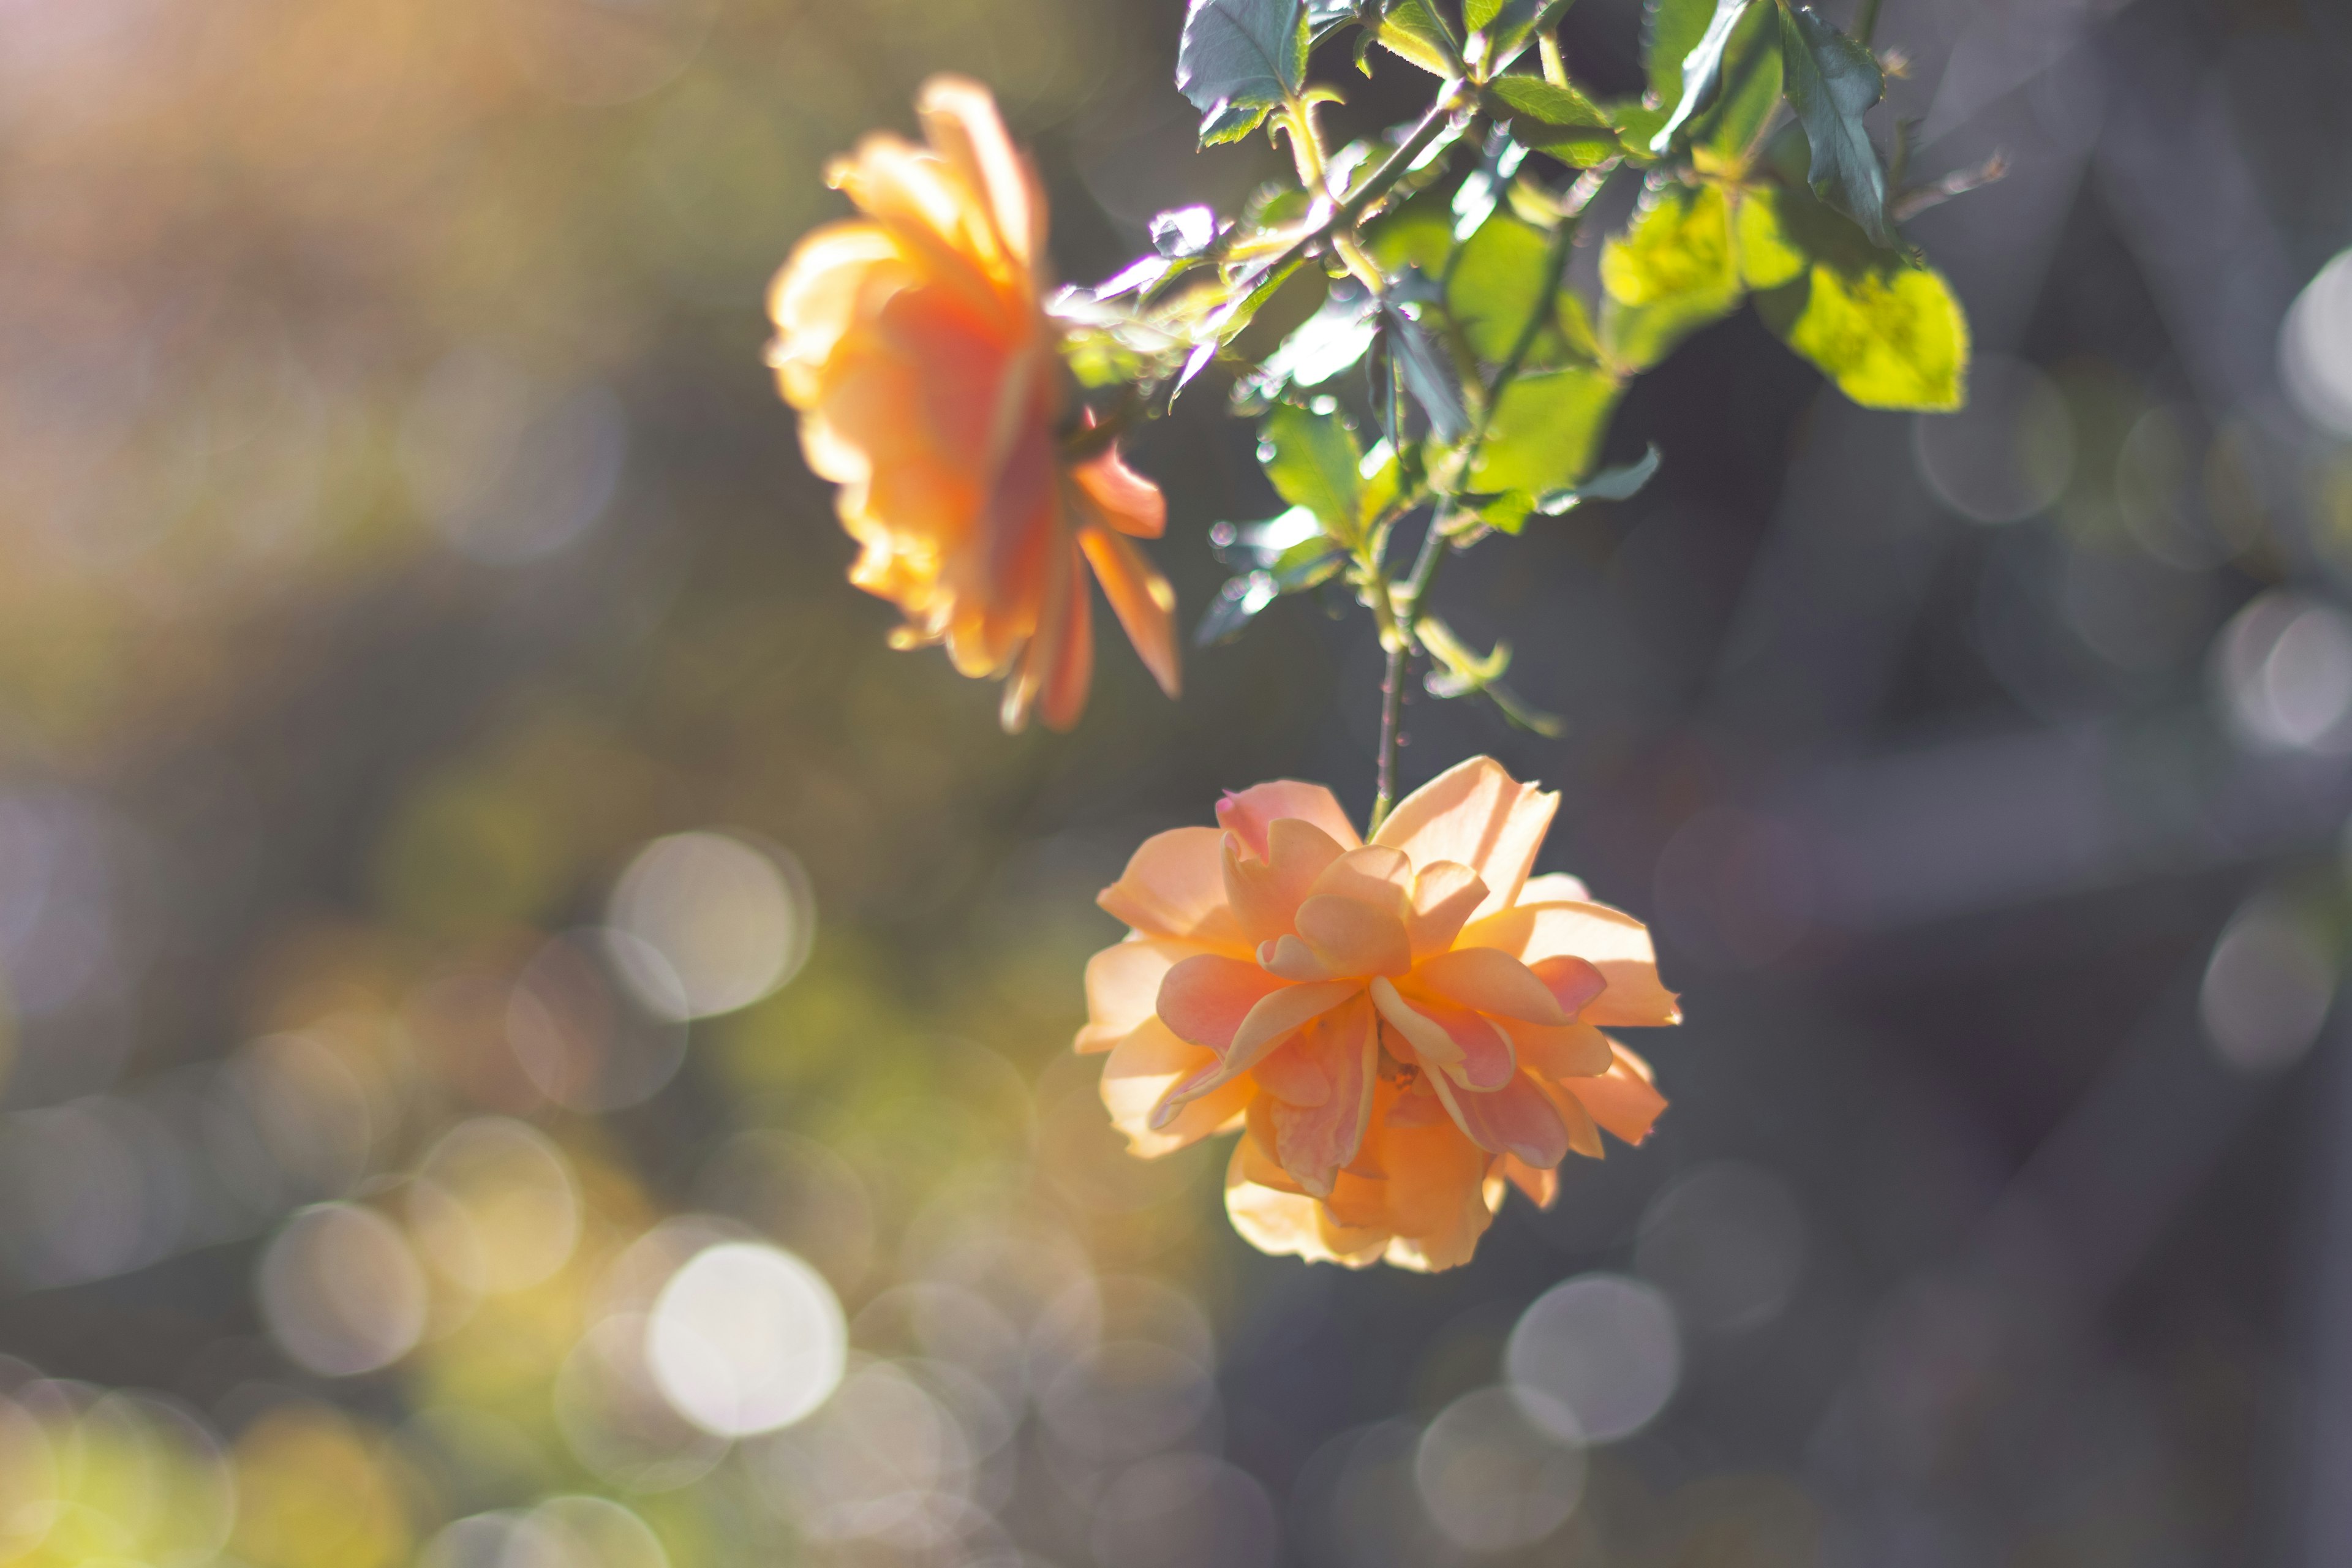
x: 1572, y: 981
x: 1292, y: 959
x: 1623, y: 1100
x: 1477, y: 814
x: 1374, y: 874
x: 1064, y: 694
x: 1312, y: 1141
x: 1516, y: 1118
x: 1206, y: 997
x: 961, y: 122
x: 1424, y: 1038
x: 1251, y: 814
x: 1142, y: 599
x: 1609, y: 939
x: 1138, y: 1073
x: 1540, y: 1185
x: 1583, y: 1133
x: 1123, y: 987
x: 1292, y: 1224
x: 1126, y: 500
x: 1554, y: 888
x: 1572, y: 1050
x: 1444, y: 896
x: 1490, y: 982
x: 1353, y: 937
x: 1175, y: 886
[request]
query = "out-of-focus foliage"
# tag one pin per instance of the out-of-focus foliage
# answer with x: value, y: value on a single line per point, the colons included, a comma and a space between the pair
x: 410, y: 588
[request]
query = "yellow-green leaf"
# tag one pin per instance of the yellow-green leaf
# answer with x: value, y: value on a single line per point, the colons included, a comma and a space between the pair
x: 1497, y: 284
x: 1546, y: 430
x: 1890, y: 338
x: 1671, y: 273
x: 1769, y: 255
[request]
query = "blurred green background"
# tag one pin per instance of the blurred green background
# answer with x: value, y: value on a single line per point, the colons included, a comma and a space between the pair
x: 532, y: 1037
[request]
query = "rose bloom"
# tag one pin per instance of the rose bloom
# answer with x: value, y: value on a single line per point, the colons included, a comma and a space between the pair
x: 1398, y: 1028
x: 932, y: 391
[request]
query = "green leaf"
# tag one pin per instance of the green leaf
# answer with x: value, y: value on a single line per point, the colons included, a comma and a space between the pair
x: 1427, y: 374
x: 1671, y: 273
x: 1560, y: 120
x: 1287, y: 554
x: 1769, y: 255
x: 1832, y: 81
x: 1314, y: 462
x: 1698, y: 67
x: 1751, y: 92
x: 1336, y: 337
x: 1497, y: 284
x: 1505, y: 25
x: 1545, y: 430
x: 1456, y: 671
x: 1417, y: 233
x: 1891, y: 337
x: 1239, y: 59
x: 1620, y: 483
x: 1414, y: 31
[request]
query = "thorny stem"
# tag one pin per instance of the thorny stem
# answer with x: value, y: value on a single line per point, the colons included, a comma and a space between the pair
x: 1399, y: 612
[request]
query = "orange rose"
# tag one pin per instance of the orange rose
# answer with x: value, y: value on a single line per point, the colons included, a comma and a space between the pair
x: 1399, y: 1028
x: 925, y: 369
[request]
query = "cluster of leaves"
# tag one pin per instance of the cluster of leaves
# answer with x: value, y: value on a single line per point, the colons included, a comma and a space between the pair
x: 1402, y: 321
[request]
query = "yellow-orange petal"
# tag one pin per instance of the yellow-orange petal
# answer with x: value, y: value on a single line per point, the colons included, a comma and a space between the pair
x: 1434, y: 1196
x: 1478, y: 814
x: 1142, y: 599
x: 1123, y: 987
x: 1292, y: 1224
x: 1540, y: 1185
x: 1572, y: 1050
x: 1375, y: 874
x: 1621, y: 1100
x: 1489, y: 981
x: 1554, y: 888
x: 1354, y: 937
x: 1063, y: 696
x: 1574, y: 983
x: 1292, y: 959
x: 1465, y: 1045
x: 1175, y: 886
x: 1251, y: 814
x: 1138, y: 1074
x: 1206, y: 997
x: 961, y: 122
x: 1609, y: 939
x: 1443, y: 895
x: 1125, y: 499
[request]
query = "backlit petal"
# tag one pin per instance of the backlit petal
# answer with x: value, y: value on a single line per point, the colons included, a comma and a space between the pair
x: 1444, y: 896
x: 1252, y: 813
x: 1313, y: 1142
x: 1609, y: 939
x: 1572, y: 1050
x: 1204, y: 998
x: 1123, y: 987
x: 1376, y: 875
x: 1478, y: 814
x: 1124, y: 499
x: 1353, y: 937
x: 1140, y: 1070
x: 1142, y: 599
x: 1175, y: 886
x: 1489, y: 981
x: 1516, y: 1118
x: 1621, y: 1100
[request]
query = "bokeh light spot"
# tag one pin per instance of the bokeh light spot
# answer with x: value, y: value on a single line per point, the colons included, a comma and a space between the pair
x: 341, y: 1290
x: 746, y: 1338
x: 1499, y: 1469
x: 2268, y: 988
x: 2316, y: 348
x: 1602, y: 1347
x: 730, y: 922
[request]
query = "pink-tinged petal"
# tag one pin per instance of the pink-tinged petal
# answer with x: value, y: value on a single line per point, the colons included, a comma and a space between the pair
x: 1375, y: 875
x: 1554, y: 888
x: 1292, y: 1224
x: 1478, y: 814
x: 1572, y: 1051
x: 1292, y: 959
x: 1253, y: 892
x: 1474, y: 1051
x: 1142, y: 599
x: 961, y: 122
x: 1422, y: 1040
x: 1572, y: 981
x: 1141, y: 1069
x: 1253, y: 812
x: 1294, y: 1071
x: 1353, y: 937
x: 1515, y: 1118
x: 1175, y: 886
x: 1609, y: 939
x: 1583, y: 1133
x: 1123, y: 987
x: 1489, y: 982
x: 1443, y: 895
x: 1314, y: 1141
x: 1621, y: 1100
x: 1128, y: 501
x: 1206, y: 997
x: 1273, y: 1020
x: 1265, y: 888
